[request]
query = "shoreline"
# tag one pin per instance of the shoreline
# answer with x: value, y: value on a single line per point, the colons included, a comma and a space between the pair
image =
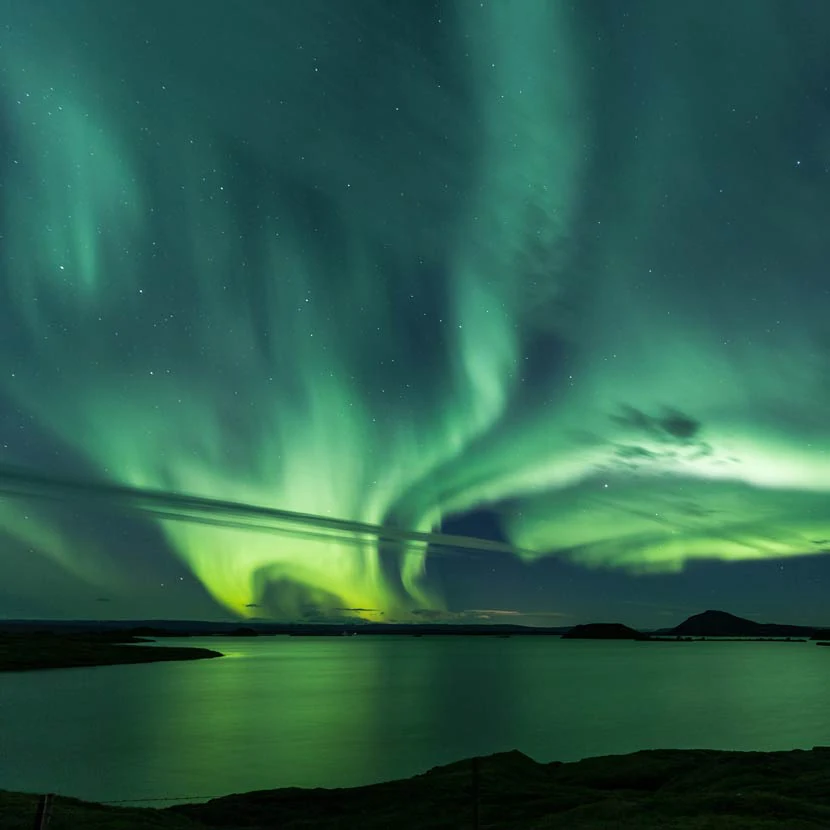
x: 39, y: 651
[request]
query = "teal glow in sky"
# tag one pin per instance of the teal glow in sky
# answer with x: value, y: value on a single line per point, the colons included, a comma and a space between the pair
x: 563, y: 266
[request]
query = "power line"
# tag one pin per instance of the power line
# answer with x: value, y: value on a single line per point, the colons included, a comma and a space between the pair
x: 170, y: 798
x: 22, y: 483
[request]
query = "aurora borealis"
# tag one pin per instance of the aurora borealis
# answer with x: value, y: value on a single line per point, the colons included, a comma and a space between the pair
x: 561, y: 264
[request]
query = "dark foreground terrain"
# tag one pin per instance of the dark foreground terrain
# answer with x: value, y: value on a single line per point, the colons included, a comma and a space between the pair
x: 667, y: 789
x: 24, y: 651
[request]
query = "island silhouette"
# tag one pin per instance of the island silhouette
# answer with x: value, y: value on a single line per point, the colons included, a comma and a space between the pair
x: 724, y: 624
x: 604, y: 631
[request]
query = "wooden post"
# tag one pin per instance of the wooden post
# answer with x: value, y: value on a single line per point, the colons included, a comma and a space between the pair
x: 44, y: 812
x: 476, y: 791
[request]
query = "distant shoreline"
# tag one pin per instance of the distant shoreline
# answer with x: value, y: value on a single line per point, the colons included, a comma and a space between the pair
x: 718, y: 625
x: 39, y: 649
x: 27, y: 645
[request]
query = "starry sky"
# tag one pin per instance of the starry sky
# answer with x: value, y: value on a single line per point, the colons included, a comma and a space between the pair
x: 550, y: 274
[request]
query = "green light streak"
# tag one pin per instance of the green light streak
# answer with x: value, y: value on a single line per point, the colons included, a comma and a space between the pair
x: 318, y: 437
x: 208, y: 307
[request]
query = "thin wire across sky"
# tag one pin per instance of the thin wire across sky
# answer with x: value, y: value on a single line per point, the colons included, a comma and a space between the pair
x: 27, y: 484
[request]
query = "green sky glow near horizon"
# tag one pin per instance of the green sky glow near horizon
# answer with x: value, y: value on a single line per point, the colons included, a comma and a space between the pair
x: 519, y: 257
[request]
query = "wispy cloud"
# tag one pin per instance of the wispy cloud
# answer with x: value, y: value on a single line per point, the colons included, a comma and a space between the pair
x: 359, y: 610
x: 483, y: 614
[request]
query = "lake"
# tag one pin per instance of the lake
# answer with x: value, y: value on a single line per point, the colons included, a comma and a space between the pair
x: 308, y: 711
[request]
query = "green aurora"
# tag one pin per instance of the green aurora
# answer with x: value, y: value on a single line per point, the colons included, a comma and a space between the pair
x: 397, y: 262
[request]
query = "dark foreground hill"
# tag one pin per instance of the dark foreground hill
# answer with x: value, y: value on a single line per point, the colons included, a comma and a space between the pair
x: 667, y: 789
x: 723, y: 624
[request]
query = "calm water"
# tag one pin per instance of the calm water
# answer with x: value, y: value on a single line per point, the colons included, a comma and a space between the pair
x: 326, y: 712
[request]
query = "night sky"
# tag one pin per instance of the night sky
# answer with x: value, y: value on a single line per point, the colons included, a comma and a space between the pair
x: 549, y: 273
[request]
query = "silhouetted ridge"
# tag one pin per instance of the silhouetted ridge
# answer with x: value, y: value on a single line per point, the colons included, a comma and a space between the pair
x: 604, y: 631
x: 723, y: 624
x: 646, y: 790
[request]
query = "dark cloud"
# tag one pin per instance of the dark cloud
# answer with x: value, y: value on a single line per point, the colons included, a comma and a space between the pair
x: 679, y: 426
x: 360, y: 610
x: 630, y: 451
x: 672, y: 436
x: 503, y: 615
x: 694, y: 509
x: 669, y: 426
x: 429, y: 613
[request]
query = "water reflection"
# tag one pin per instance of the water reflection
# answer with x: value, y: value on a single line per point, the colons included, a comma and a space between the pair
x: 345, y: 711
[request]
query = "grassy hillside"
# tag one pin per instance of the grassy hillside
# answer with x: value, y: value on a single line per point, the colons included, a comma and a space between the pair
x: 666, y: 789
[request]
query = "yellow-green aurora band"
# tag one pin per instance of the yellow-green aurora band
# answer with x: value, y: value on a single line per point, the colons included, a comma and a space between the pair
x: 352, y: 277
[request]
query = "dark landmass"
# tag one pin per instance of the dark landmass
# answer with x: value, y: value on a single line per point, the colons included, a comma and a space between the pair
x: 604, y: 631
x: 708, y: 624
x: 667, y: 789
x: 244, y: 631
x: 29, y: 650
x: 661, y: 638
x: 195, y: 628
x: 723, y: 624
